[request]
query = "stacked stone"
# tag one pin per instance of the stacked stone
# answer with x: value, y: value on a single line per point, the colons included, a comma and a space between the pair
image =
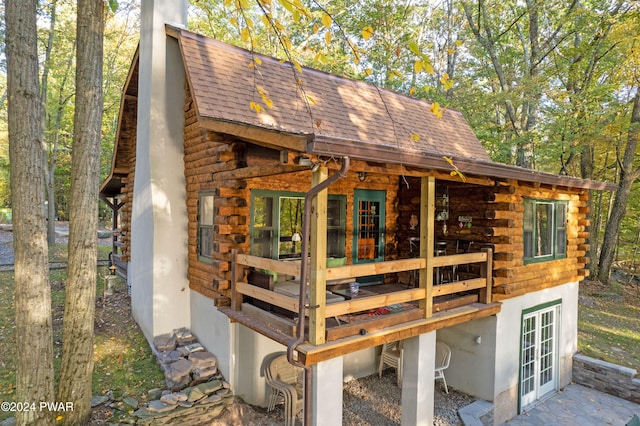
x: 195, y: 387
x: 184, y: 360
x: 198, y: 404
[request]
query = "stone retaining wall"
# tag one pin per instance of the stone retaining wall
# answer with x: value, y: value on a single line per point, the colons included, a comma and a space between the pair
x: 606, y: 377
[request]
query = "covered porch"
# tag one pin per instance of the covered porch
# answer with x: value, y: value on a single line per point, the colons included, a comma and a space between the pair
x: 329, y: 320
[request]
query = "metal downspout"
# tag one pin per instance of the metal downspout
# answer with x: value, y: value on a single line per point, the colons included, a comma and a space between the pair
x: 304, y: 266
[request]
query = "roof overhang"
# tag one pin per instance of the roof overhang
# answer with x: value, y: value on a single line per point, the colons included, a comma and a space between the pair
x: 329, y: 146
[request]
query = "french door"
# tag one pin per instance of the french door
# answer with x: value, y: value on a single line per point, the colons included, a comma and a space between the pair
x: 369, y: 220
x: 539, y: 354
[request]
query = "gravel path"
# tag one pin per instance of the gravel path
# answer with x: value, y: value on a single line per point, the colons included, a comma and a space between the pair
x: 6, y: 243
x: 369, y: 401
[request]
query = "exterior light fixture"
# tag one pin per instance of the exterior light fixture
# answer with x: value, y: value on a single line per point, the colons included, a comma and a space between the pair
x: 362, y: 176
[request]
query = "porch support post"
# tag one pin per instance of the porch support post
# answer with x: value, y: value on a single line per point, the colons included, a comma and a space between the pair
x: 318, y: 264
x: 327, y: 392
x: 427, y: 237
x: 418, y: 376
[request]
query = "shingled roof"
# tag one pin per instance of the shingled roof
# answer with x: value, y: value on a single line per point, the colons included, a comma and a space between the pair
x: 321, y: 113
x: 224, y: 83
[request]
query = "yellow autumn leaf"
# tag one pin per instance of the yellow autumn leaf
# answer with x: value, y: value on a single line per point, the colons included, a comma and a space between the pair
x: 316, y: 28
x: 418, y: 66
x: 233, y: 21
x: 268, y: 102
x: 412, y: 91
x: 367, y: 32
x: 245, y: 34
x: 428, y: 68
x: 296, y: 16
x: 446, y: 82
x: 450, y: 51
x: 458, y: 43
x: 327, y: 37
x: 257, y: 60
x: 415, y: 137
x: 255, y: 106
x: 287, y: 5
x: 59, y: 418
x: 249, y: 22
x: 436, y: 110
x: 368, y: 71
x: 311, y: 100
x: 397, y: 73
x: 326, y: 20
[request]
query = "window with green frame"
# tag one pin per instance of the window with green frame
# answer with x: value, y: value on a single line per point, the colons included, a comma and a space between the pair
x: 205, y: 226
x: 276, y: 224
x: 545, y: 230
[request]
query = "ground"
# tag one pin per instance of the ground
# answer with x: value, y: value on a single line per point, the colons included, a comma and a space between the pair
x: 609, y: 329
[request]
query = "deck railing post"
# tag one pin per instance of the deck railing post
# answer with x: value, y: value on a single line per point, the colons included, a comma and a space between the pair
x: 427, y: 237
x: 486, y: 271
x: 236, y: 297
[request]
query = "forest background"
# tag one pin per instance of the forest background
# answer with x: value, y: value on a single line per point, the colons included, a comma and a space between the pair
x: 548, y: 85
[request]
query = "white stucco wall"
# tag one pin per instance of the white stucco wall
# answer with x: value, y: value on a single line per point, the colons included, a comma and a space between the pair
x: 158, y: 268
x: 214, y: 331
x: 490, y: 370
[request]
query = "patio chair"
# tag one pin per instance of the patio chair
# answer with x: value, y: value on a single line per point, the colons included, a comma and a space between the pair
x: 285, y: 381
x: 443, y: 356
x: 392, y: 355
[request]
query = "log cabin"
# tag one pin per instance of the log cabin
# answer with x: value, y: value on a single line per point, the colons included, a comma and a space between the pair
x: 275, y: 209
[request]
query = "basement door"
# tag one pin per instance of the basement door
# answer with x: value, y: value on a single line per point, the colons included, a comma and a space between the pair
x: 369, y: 220
x: 539, y: 353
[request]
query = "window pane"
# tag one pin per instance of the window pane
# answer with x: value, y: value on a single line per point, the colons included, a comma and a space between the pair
x: 206, y: 210
x: 262, y: 243
x: 561, y: 234
x: 263, y: 212
x: 291, y: 212
x: 205, y: 241
x: 544, y: 229
x: 528, y: 228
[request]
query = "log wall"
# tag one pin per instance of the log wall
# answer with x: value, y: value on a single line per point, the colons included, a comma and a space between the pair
x: 497, y: 214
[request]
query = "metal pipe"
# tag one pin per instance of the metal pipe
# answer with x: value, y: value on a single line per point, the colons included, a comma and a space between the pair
x: 304, y: 266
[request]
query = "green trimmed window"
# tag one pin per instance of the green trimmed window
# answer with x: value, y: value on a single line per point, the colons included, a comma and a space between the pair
x: 276, y: 224
x: 205, y: 226
x: 545, y: 230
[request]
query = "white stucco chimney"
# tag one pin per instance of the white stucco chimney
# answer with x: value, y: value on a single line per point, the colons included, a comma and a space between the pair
x: 158, y: 268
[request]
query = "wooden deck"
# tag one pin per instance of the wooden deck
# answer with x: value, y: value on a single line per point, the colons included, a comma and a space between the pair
x: 268, y: 325
x: 336, y: 325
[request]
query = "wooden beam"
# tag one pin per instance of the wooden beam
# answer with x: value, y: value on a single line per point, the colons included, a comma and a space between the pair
x: 310, y: 354
x: 285, y: 302
x: 458, y: 286
x: 262, y: 136
x: 258, y: 171
x: 318, y: 263
x: 371, y: 302
x: 288, y: 268
x: 427, y: 240
x: 363, y: 270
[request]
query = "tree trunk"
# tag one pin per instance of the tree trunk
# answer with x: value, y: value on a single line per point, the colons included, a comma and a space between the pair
x: 34, y: 342
x: 627, y: 176
x: 77, y: 351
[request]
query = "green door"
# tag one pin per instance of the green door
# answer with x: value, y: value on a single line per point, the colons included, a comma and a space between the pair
x: 368, y: 224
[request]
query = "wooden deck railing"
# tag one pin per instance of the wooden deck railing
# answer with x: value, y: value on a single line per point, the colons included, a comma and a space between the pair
x: 365, y: 303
